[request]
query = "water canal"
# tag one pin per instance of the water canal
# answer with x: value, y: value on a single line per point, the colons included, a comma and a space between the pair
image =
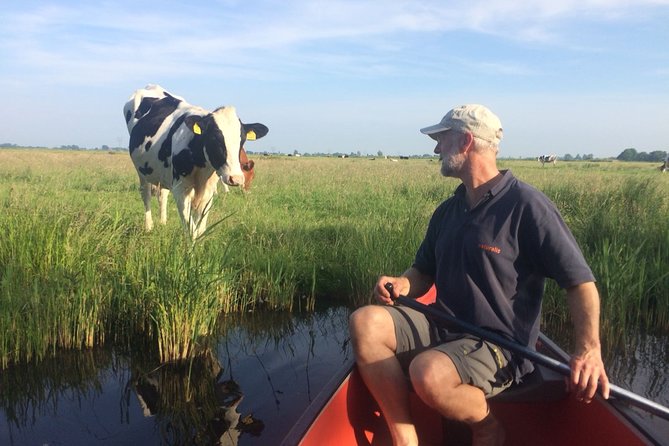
x: 263, y: 373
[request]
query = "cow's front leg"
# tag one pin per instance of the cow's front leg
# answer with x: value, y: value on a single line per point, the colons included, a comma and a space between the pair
x: 162, y: 201
x: 202, y: 211
x: 184, y: 199
x: 202, y: 201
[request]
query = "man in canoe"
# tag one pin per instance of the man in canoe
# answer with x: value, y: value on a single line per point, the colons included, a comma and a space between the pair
x: 488, y: 250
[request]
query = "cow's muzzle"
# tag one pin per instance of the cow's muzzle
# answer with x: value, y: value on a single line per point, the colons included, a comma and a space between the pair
x: 233, y: 180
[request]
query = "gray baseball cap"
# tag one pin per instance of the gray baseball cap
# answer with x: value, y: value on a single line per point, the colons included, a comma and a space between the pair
x: 474, y: 118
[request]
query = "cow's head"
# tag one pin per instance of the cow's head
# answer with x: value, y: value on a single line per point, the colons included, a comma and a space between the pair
x: 248, y: 169
x: 223, y: 136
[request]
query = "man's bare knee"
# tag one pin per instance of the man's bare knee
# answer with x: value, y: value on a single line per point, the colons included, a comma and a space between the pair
x: 433, y: 375
x: 437, y: 382
x: 371, y: 325
x: 369, y: 319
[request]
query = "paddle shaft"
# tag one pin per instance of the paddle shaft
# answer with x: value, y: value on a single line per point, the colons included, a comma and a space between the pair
x: 534, y: 356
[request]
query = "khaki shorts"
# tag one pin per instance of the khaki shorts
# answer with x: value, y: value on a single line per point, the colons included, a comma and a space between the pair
x: 479, y: 363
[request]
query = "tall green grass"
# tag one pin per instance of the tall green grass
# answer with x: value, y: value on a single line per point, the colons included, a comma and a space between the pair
x: 623, y: 229
x: 77, y: 269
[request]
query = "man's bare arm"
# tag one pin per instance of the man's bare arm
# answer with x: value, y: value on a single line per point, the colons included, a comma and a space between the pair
x: 587, y: 367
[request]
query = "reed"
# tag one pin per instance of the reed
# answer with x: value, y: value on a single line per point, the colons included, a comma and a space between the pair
x: 622, y: 229
x: 77, y: 269
x: 188, y: 296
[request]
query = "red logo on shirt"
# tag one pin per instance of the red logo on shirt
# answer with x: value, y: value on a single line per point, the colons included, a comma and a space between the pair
x: 493, y: 249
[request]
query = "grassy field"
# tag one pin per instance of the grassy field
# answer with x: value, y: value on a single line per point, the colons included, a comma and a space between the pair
x: 77, y: 269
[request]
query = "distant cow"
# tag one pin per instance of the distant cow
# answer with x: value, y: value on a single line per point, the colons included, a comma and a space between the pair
x: 185, y: 149
x: 543, y: 159
x: 665, y: 166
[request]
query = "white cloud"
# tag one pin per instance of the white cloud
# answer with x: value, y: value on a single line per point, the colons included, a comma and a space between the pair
x: 89, y: 40
x: 419, y: 48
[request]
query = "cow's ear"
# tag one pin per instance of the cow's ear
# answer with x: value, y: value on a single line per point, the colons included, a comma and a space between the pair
x: 255, y: 131
x: 193, y: 123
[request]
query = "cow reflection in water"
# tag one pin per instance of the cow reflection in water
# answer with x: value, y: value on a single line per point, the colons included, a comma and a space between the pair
x: 192, y: 405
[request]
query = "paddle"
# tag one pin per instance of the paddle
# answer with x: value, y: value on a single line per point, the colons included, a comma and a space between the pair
x: 532, y: 355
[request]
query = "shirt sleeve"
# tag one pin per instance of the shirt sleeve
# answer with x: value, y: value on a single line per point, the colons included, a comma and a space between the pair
x: 425, y: 260
x: 559, y: 256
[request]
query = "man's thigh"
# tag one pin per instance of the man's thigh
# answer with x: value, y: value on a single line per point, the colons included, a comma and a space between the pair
x: 413, y: 333
x: 479, y: 363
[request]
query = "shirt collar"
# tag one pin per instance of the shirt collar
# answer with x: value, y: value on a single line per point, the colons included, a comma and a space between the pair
x: 507, y: 177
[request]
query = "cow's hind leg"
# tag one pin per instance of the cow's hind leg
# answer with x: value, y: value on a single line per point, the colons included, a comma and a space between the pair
x: 145, y: 191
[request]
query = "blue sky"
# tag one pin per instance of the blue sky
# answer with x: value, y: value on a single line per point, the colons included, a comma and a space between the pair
x: 568, y: 76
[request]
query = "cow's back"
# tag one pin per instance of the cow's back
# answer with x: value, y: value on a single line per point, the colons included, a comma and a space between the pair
x: 139, y: 104
x: 152, y: 116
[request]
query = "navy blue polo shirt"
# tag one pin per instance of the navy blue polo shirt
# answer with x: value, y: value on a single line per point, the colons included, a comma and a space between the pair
x: 490, y: 262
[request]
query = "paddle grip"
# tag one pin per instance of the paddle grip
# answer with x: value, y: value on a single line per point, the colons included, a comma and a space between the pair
x: 389, y: 287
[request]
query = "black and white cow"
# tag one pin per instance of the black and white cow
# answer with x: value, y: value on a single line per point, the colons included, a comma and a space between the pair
x: 543, y: 159
x: 186, y: 149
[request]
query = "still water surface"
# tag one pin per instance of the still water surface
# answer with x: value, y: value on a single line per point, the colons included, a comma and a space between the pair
x: 249, y: 391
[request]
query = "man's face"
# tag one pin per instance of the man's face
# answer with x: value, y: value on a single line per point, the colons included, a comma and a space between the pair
x: 448, y: 148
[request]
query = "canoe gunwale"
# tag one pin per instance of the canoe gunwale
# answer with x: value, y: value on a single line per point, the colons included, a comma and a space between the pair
x: 323, y: 398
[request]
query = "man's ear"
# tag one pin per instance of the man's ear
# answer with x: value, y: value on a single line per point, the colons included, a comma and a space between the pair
x: 467, y: 142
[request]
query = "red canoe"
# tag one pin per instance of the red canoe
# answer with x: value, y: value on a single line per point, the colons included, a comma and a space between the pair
x: 537, y: 412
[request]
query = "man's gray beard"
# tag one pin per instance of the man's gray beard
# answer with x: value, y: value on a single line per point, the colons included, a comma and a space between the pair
x: 451, y: 166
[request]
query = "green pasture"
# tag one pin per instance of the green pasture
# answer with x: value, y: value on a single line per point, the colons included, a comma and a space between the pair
x: 78, y: 270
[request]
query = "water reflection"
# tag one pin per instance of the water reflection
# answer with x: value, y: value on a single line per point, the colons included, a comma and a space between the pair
x: 191, y: 403
x: 639, y: 364
x: 28, y: 391
x: 248, y: 390
x: 263, y: 372
x: 633, y: 366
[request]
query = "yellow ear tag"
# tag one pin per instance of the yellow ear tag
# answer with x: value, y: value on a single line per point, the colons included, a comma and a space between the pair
x: 196, y: 129
x: 250, y: 135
